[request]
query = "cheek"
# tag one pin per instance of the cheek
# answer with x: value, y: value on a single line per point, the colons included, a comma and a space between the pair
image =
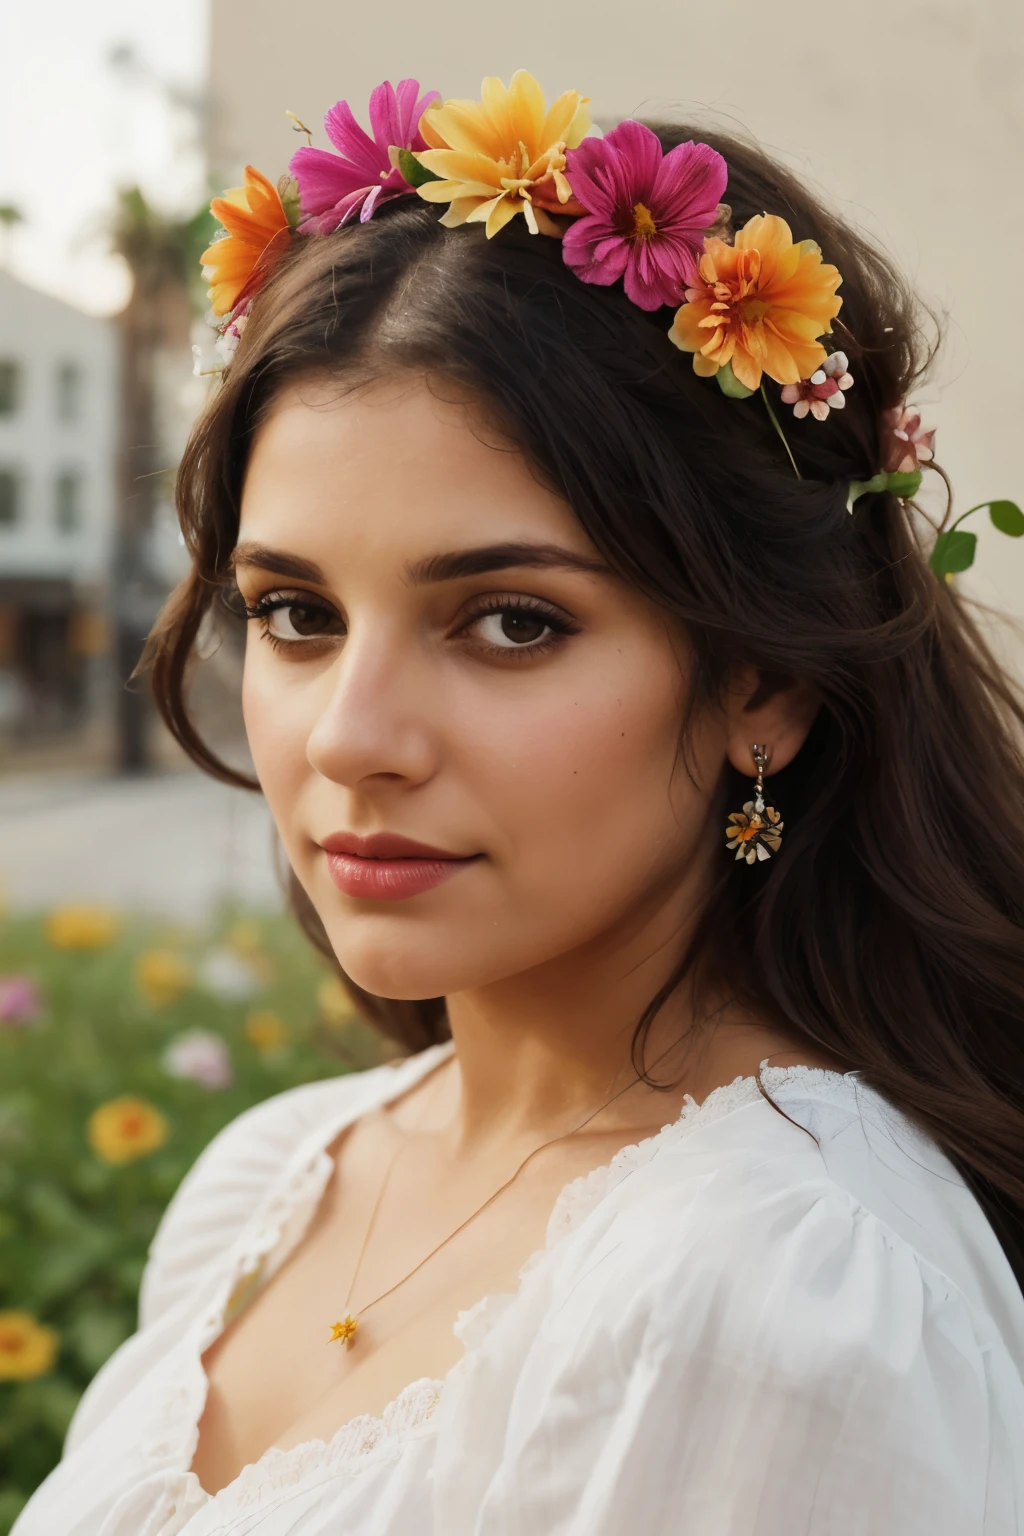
x: 589, y: 781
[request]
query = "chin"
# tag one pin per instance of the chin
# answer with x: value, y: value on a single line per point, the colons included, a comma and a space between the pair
x: 404, y: 967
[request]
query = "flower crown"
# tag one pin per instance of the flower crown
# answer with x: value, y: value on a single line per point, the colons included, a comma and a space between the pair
x: 749, y: 304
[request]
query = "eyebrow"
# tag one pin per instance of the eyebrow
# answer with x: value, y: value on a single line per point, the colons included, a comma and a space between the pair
x: 502, y: 557
x: 450, y: 566
x: 262, y: 557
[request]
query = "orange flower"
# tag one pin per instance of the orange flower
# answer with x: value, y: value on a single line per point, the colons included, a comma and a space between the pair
x: 27, y: 1348
x: 256, y: 225
x: 503, y: 155
x: 125, y: 1129
x: 760, y: 305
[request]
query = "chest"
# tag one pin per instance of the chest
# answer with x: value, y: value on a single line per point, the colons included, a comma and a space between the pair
x: 403, y: 1263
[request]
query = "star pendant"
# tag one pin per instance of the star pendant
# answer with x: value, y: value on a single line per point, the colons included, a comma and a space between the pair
x: 345, y: 1330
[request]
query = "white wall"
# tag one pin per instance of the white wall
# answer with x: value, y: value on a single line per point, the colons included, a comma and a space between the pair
x: 42, y: 333
x: 909, y: 115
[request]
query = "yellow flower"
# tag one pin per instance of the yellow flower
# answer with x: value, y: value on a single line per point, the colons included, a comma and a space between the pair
x: 27, y: 1348
x: 126, y: 1129
x: 266, y: 1030
x: 335, y: 1004
x: 81, y: 927
x: 244, y: 937
x: 759, y: 304
x: 161, y: 976
x: 503, y: 155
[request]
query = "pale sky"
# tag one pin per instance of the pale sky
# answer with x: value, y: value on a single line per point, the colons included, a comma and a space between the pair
x: 72, y: 128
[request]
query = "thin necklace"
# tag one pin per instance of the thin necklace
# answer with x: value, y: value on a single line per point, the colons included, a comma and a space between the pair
x: 345, y: 1330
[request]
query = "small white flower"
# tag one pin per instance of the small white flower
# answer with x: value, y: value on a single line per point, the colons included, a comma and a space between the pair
x: 200, y: 1056
x: 228, y: 977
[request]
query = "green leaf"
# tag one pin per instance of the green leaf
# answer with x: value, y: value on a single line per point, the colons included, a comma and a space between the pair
x: 1007, y: 517
x: 904, y: 485
x: 730, y: 385
x: 953, y: 551
x: 415, y: 173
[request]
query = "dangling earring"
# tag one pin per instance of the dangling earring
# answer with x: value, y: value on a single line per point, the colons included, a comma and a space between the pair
x: 756, y: 831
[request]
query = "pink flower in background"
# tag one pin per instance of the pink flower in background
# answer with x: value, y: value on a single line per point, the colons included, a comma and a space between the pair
x: 333, y: 188
x: 19, y: 1001
x: 823, y: 391
x: 646, y: 212
x: 200, y: 1056
x: 908, y: 447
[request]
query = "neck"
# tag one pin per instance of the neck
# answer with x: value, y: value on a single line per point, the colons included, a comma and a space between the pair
x: 538, y: 1052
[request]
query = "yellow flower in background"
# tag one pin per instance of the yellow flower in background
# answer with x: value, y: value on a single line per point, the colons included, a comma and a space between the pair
x: 27, y: 1347
x: 502, y: 155
x: 126, y: 1129
x: 266, y: 1030
x: 336, y: 1006
x: 162, y: 976
x: 244, y: 937
x: 81, y: 927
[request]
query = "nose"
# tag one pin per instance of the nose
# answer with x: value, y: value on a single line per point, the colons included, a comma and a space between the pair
x: 376, y: 722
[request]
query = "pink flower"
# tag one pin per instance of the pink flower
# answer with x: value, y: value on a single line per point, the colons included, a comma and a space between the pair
x: 19, y: 1001
x: 908, y: 447
x: 646, y: 212
x: 200, y: 1056
x: 332, y: 188
x: 823, y: 391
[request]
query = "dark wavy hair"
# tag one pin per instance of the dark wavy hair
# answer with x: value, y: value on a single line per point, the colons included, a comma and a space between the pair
x: 888, y: 932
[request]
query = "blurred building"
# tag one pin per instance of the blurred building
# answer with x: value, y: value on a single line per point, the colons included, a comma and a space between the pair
x: 58, y: 449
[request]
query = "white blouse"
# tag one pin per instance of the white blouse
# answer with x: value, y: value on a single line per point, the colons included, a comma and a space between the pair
x: 733, y: 1330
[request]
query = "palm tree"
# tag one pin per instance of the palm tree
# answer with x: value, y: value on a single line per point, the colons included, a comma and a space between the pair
x: 162, y: 256
x: 10, y: 218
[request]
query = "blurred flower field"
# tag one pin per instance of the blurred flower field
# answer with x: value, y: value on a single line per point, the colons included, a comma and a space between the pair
x: 125, y: 1045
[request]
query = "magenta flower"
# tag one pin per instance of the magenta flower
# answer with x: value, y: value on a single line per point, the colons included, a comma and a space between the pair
x: 361, y: 175
x: 19, y: 1001
x: 646, y: 212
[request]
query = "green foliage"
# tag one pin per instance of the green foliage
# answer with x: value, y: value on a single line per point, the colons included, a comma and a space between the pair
x: 730, y: 385
x: 902, y: 483
x: 954, y: 550
x: 74, y: 1231
x: 415, y: 174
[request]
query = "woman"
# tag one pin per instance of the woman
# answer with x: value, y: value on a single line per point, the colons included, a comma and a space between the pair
x: 537, y: 515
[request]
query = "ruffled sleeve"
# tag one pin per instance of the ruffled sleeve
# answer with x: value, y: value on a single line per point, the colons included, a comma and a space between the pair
x: 225, y: 1186
x: 231, y: 1182
x: 744, y: 1364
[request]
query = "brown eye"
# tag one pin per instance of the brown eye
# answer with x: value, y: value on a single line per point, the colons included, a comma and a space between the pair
x: 512, y: 627
x: 299, y: 621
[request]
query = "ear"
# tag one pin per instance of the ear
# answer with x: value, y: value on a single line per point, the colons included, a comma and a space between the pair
x: 774, y: 711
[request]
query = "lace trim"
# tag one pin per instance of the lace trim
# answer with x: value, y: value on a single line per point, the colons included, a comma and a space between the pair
x: 276, y: 1469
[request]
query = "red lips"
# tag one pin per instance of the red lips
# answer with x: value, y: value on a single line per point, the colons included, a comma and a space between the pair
x: 386, y: 866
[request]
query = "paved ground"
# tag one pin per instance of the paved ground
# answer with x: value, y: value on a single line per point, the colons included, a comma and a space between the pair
x: 176, y: 843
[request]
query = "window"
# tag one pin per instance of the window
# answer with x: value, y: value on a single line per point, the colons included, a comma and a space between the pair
x: 67, y: 508
x: 10, y: 386
x: 69, y: 392
x: 9, y: 498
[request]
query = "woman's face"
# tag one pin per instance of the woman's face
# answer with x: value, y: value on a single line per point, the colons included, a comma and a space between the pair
x: 466, y: 726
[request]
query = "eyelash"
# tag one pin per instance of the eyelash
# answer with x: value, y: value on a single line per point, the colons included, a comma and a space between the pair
x: 558, y: 623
